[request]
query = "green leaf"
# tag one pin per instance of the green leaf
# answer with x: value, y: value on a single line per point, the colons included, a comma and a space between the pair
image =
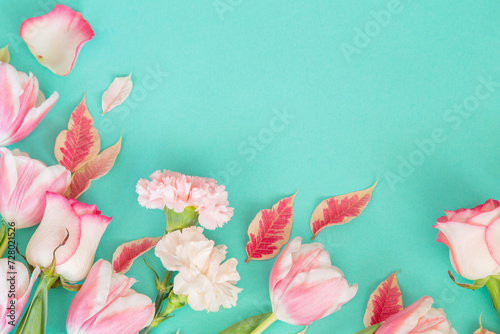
x: 4, y: 239
x: 35, y: 319
x: 304, y: 331
x: 4, y: 54
x: 246, y: 326
x: 369, y: 330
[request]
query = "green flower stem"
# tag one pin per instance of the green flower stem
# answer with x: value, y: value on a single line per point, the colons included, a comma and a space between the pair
x: 493, y: 286
x: 369, y: 330
x: 163, y: 291
x: 34, y: 320
x: 271, y: 319
x: 174, y: 302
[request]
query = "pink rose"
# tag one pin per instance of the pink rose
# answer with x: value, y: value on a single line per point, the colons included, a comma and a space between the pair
x: 85, y: 225
x: 22, y: 104
x: 419, y: 318
x: 107, y: 304
x: 304, y: 286
x: 23, y: 186
x: 473, y: 237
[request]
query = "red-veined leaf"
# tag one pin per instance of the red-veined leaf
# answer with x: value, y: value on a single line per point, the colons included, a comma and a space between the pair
x: 80, y: 143
x: 339, y: 209
x: 385, y: 301
x: 270, y: 230
x: 93, y: 170
x: 116, y: 93
x: 125, y: 254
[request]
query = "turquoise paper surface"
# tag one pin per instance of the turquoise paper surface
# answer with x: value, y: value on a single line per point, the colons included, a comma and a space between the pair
x: 275, y: 97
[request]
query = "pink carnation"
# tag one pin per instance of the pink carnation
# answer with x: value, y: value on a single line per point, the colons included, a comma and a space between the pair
x: 177, y: 191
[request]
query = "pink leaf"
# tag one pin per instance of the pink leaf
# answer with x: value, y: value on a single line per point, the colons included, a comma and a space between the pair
x: 80, y: 143
x: 270, y: 230
x: 125, y: 254
x: 93, y: 170
x: 339, y: 209
x: 385, y: 301
x: 116, y: 93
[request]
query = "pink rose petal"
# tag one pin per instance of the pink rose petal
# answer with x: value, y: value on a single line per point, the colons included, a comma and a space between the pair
x: 55, y: 39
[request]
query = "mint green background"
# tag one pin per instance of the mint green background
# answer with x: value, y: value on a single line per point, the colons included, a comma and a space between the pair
x: 228, y: 73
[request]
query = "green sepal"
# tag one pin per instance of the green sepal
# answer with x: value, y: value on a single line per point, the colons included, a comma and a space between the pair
x: 178, y: 221
x: 69, y: 286
x: 246, y: 326
x: 477, y: 284
x: 370, y: 330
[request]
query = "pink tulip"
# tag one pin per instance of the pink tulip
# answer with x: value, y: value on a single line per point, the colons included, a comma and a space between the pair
x: 419, y: 318
x: 22, y: 104
x: 55, y: 39
x: 473, y: 235
x: 304, y: 286
x: 107, y: 304
x: 85, y: 225
x: 15, y: 290
x: 23, y: 186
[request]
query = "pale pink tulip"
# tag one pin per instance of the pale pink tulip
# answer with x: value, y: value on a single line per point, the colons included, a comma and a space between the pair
x: 15, y: 290
x: 107, y: 304
x: 55, y: 39
x: 85, y: 225
x: 304, y: 286
x: 22, y: 104
x: 419, y: 318
x: 473, y: 236
x: 23, y: 186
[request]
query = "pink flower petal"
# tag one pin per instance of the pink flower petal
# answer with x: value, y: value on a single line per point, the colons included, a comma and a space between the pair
x: 55, y: 39
x: 77, y: 267
x: 53, y: 179
x: 314, y: 295
x: 492, y: 239
x: 470, y: 251
x: 58, y: 216
x: 405, y: 321
x: 433, y: 321
x: 126, y: 315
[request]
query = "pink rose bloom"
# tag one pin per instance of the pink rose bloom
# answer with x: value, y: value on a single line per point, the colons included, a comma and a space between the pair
x: 473, y: 237
x: 12, y: 307
x: 55, y: 39
x: 177, y: 191
x: 107, y: 304
x: 22, y: 104
x: 304, y: 286
x: 419, y: 318
x: 85, y: 225
x: 23, y: 186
